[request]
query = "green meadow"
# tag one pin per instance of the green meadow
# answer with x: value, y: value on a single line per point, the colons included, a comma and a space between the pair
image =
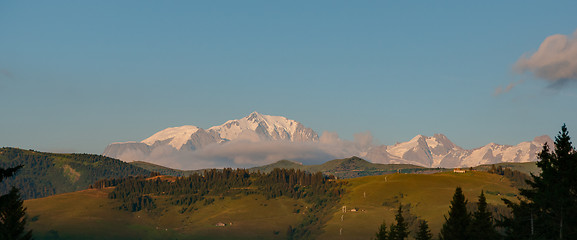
x: 89, y: 214
x: 377, y: 198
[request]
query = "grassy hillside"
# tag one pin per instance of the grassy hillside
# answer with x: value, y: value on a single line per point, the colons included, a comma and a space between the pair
x: 346, y: 168
x: 378, y: 197
x: 45, y: 174
x: 90, y: 214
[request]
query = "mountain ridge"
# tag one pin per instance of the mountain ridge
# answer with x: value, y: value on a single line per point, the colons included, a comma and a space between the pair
x: 253, y: 128
x: 427, y: 151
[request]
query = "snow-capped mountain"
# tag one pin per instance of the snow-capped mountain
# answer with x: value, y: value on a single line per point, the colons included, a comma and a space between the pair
x: 439, y: 151
x: 258, y: 127
x: 259, y: 137
x: 254, y: 127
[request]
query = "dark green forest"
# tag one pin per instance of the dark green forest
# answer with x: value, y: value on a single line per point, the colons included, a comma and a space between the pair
x: 46, y: 174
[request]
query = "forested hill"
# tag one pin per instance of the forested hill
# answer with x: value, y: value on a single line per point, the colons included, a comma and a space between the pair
x: 346, y: 168
x: 46, y: 174
x: 165, y: 170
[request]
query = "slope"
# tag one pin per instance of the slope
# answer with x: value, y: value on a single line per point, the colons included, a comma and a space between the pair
x: 90, y: 214
x: 46, y: 174
x: 377, y: 198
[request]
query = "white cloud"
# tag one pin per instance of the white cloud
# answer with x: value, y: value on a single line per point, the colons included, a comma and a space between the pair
x: 554, y: 61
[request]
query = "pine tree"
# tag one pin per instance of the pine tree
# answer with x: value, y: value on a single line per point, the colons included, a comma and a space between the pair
x: 12, y: 212
x: 13, y: 217
x: 548, y: 212
x: 382, y: 233
x: 482, y: 226
x: 399, y: 231
x: 457, y: 224
x: 424, y: 232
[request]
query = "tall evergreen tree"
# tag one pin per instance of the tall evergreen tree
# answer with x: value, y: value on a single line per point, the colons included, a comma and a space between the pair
x: 551, y: 206
x: 482, y: 226
x: 457, y: 224
x: 400, y: 231
x: 424, y: 232
x: 12, y: 211
x: 382, y: 233
x: 13, y: 217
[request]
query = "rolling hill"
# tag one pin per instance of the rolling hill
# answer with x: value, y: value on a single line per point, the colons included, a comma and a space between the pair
x: 90, y: 214
x: 45, y: 174
x: 347, y: 168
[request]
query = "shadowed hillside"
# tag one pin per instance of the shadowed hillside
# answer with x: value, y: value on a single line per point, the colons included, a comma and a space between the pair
x: 46, y: 174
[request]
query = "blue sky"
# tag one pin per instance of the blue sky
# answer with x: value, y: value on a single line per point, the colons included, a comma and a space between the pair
x: 78, y: 75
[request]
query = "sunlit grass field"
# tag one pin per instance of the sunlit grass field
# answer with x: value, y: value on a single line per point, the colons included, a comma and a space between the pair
x: 90, y: 214
x: 377, y: 198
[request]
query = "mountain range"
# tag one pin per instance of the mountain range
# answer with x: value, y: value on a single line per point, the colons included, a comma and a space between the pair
x: 435, y: 151
x: 254, y: 128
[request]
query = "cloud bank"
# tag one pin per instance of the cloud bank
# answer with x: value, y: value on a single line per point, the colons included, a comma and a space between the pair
x: 245, y: 154
x: 554, y: 61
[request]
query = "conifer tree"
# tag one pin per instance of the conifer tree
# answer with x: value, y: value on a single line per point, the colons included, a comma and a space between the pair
x: 13, y: 217
x: 457, y: 224
x: 482, y: 226
x: 424, y: 232
x: 382, y: 233
x: 12, y: 211
x: 551, y: 206
x: 399, y: 231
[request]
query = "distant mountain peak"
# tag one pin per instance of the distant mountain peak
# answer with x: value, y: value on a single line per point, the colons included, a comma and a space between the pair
x: 178, y: 136
x: 255, y: 127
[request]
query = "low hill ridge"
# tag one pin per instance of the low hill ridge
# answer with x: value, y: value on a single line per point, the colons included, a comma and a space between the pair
x: 45, y: 174
x: 344, y: 168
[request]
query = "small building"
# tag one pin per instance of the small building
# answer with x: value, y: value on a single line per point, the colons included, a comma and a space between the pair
x: 221, y: 224
x: 458, y: 170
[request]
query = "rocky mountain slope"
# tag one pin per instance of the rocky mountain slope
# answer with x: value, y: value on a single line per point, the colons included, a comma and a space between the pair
x: 439, y: 151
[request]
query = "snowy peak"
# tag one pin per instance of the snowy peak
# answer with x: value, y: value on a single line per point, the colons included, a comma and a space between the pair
x: 439, y: 151
x: 495, y: 153
x: 254, y: 127
x: 177, y: 136
x: 257, y: 127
